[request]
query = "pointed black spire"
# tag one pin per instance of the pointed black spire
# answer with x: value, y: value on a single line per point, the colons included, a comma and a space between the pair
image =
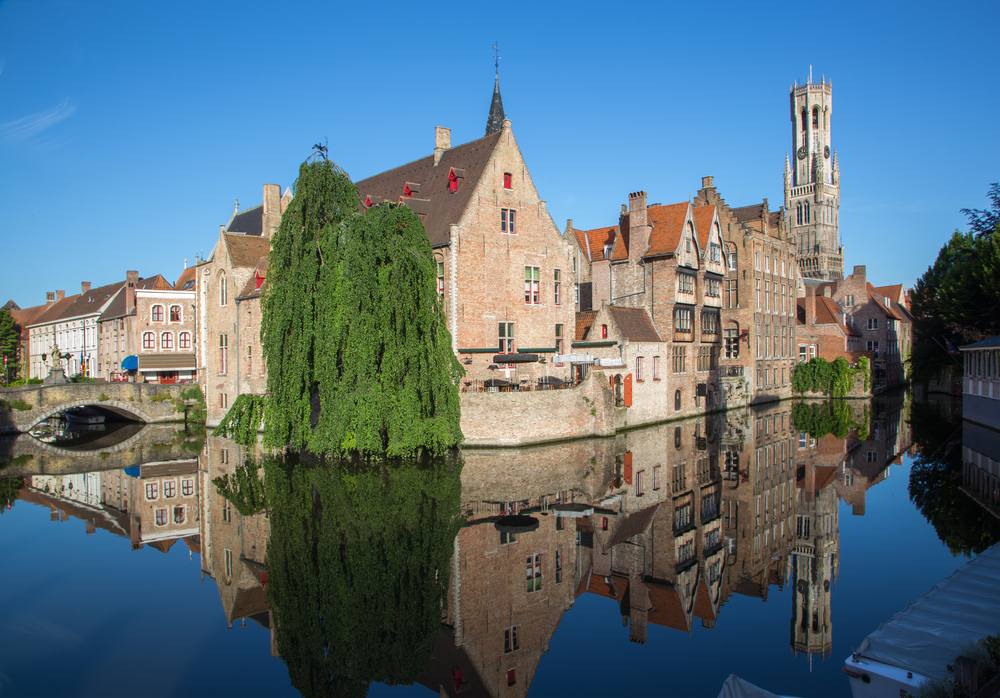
x: 494, y: 122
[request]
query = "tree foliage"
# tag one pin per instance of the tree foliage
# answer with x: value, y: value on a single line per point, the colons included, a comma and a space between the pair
x: 10, y: 334
x: 243, y: 420
x: 831, y: 417
x: 244, y: 488
x: 936, y: 478
x: 357, y: 567
x: 821, y: 376
x: 958, y: 299
x: 358, y: 352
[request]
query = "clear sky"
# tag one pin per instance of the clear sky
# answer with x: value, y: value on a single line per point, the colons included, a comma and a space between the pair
x: 127, y: 129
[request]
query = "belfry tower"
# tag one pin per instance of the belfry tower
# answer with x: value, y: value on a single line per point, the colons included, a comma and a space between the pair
x: 812, y: 183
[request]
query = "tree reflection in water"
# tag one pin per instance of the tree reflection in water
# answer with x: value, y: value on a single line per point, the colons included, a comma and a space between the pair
x: 936, y: 478
x: 357, y: 568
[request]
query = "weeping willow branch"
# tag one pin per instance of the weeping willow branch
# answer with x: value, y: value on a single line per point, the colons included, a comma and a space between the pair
x: 243, y: 420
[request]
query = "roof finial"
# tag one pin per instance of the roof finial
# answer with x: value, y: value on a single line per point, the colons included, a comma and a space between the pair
x: 496, y: 60
x: 236, y: 206
x: 496, y: 117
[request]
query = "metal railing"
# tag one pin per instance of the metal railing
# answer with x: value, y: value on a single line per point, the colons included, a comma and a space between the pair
x: 497, y: 385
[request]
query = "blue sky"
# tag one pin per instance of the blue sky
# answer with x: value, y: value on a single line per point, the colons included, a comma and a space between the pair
x: 127, y: 130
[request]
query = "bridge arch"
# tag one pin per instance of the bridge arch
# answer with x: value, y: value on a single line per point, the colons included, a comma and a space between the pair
x: 124, y: 409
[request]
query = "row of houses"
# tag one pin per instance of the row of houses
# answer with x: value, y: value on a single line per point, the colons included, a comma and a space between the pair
x: 676, y: 309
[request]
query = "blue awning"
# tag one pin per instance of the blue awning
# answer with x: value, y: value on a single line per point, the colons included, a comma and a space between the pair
x: 133, y: 471
x: 131, y: 363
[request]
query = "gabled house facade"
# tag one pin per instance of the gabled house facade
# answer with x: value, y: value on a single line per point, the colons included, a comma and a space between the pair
x: 823, y: 330
x: 504, y: 271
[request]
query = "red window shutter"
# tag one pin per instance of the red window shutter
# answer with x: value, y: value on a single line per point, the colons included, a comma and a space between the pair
x: 628, y: 468
x: 628, y: 390
x: 611, y: 379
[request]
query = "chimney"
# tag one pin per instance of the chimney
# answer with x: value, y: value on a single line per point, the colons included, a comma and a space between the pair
x: 638, y: 228
x: 708, y: 182
x: 272, y: 209
x: 50, y: 298
x: 569, y: 225
x: 131, y: 280
x: 60, y: 295
x: 859, y: 274
x: 442, y: 142
x: 810, y: 306
x: 84, y: 286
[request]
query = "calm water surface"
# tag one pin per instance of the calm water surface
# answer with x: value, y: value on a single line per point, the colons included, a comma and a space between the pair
x: 663, y: 560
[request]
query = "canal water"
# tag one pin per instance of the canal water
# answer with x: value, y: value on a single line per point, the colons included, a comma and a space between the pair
x: 765, y: 543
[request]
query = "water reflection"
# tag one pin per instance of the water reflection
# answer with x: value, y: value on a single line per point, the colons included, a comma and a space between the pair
x: 398, y: 574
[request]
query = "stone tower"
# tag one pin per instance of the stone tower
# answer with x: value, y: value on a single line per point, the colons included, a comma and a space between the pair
x: 812, y: 183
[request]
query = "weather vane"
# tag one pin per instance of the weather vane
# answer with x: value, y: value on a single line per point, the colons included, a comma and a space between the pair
x: 496, y: 60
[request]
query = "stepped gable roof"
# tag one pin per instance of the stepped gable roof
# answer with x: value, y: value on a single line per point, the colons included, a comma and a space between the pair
x: 249, y: 222
x: 592, y: 241
x: 116, y: 308
x: 703, y: 216
x: 633, y: 525
x: 443, y: 208
x: 620, y: 247
x: 250, y: 289
x: 584, y: 321
x: 668, y: 608
x: 668, y: 227
x: 185, y: 282
x: 775, y: 219
x: 634, y: 324
x: 246, y: 250
x: 55, y: 311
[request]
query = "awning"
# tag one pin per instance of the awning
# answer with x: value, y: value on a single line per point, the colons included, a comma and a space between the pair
x: 516, y: 523
x: 572, y: 359
x: 130, y: 363
x: 574, y: 510
x: 167, y: 362
x: 517, y: 358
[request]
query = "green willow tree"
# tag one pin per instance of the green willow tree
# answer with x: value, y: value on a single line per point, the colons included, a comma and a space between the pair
x: 358, y: 352
x: 357, y: 565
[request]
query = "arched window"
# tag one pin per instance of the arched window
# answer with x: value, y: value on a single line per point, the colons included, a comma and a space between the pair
x: 184, y: 340
x: 175, y: 313
x: 156, y: 313
x: 798, y: 213
x: 167, y: 341
x: 677, y: 433
x: 815, y: 117
x: 148, y: 340
x: 803, y: 120
x: 223, y: 295
x: 805, y: 213
x: 604, y: 331
x: 677, y: 400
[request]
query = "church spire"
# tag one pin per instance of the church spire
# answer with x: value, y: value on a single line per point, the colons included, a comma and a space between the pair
x: 494, y: 122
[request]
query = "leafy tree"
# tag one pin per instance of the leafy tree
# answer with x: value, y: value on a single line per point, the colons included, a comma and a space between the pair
x: 10, y: 334
x: 10, y: 489
x: 831, y: 417
x: 357, y: 568
x: 358, y: 352
x: 958, y: 299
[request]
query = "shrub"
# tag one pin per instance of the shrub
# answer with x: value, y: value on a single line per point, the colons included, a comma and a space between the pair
x: 103, y: 398
x: 161, y: 397
x: 15, y: 405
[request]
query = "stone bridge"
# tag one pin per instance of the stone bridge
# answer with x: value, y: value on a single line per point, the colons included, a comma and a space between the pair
x: 134, y: 445
x: 144, y: 402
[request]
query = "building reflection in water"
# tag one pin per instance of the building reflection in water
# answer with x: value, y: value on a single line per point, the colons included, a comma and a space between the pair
x: 668, y: 523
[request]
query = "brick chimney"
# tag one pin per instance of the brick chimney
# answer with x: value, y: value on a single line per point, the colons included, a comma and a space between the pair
x: 442, y: 142
x: 638, y: 226
x: 50, y: 298
x: 84, y: 286
x: 131, y: 280
x: 859, y: 274
x: 810, y: 305
x: 60, y: 295
x: 272, y: 209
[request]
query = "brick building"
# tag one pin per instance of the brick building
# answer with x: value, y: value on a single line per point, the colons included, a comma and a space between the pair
x: 822, y: 330
x: 758, y: 311
x: 504, y: 271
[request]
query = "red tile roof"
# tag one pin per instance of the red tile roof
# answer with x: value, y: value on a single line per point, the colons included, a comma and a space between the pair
x: 668, y: 609
x: 703, y: 607
x: 186, y: 276
x: 703, y: 217
x: 668, y: 226
x: 593, y: 241
x: 584, y: 320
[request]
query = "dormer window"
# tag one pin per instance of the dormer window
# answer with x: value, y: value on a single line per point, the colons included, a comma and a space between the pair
x: 410, y: 189
x: 455, y: 177
x: 258, y: 280
x: 506, y: 180
x: 607, y: 252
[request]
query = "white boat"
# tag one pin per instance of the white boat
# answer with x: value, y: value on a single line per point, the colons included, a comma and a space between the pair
x: 919, y: 642
x: 84, y: 415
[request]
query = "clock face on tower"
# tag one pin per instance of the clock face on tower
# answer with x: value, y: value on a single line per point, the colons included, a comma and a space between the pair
x: 826, y: 152
x: 801, y: 153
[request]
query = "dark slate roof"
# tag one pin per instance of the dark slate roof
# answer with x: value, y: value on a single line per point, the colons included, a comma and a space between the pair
x: 634, y: 324
x: 116, y: 308
x: 634, y: 524
x: 443, y: 207
x: 494, y: 122
x: 10, y: 305
x: 249, y: 222
x: 246, y: 250
x: 748, y: 213
x: 985, y: 344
